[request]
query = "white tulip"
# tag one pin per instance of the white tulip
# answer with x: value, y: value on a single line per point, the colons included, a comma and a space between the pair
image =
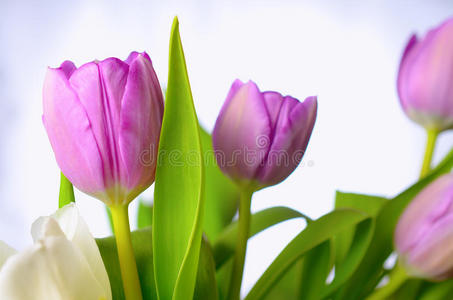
x: 63, y: 264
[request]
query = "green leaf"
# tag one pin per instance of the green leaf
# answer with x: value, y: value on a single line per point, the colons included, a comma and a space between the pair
x: 142, y: 244
x: 206, y: 286
x: 225, y: 244
x: 381, y: 245
x: 316, y: 265
x: 66, y: 192
x: 366, y: 203
x: 221, y: 194
x: 313, y: 235
x: 144, y: 214
x: 437, y: 291
x: 178, y: 201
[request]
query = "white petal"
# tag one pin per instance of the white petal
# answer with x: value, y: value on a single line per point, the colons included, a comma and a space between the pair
x: 5, y: 252
x: 76, y: 230
x: 52, y: 269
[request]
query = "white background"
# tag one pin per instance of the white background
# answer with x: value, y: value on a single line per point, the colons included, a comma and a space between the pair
x: 346, y: 52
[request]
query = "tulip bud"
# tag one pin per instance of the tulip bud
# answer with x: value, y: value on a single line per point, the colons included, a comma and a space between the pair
x: 424, y: 233
x: 260, y: 137
x: 425, y: 78
x: 103, y: 120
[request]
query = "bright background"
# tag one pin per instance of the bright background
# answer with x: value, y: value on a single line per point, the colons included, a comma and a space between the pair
x: 346, y: 52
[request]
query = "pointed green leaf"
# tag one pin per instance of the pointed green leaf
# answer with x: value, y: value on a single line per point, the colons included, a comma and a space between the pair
x: 66, y: 192
x: 313, y: 235
x: 178, y: 201
x: 221, y: 194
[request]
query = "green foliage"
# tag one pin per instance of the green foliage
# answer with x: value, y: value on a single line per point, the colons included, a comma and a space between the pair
x: 66, y: 192
x: 142, y: 244
x: 178, y: 202
x: 366, y: 277
x: 144, y: 214
x: 316, y: 232
x: 221, y: 194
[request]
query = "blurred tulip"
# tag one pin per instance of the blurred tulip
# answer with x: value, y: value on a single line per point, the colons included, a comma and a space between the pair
x: 260, y: 137
x: 424, y: 233
x: 64, y: 262
x: 425, y: 81
x: 103, y: 121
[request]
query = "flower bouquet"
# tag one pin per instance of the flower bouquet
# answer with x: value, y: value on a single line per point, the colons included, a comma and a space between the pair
x: 113, y: 136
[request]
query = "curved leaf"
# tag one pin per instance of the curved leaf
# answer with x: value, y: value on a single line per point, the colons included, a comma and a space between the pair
x: 314, y: 234
x: 381, y: 245
x: 225, y: 244
x: 178, y: 201
x: 206, y: 286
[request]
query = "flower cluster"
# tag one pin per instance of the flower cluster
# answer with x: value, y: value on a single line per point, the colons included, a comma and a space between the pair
x: 104, y: 117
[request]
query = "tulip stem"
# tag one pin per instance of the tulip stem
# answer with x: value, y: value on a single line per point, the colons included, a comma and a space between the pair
x: 430, y: 144
x: 128, y: 266
x: 397, y: 278
x: 234, y: 291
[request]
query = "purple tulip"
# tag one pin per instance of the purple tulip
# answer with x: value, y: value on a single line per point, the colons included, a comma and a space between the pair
x: 424, y: 233
x: 260, y: 137
x: 425, y: 79
x: 103, y: 121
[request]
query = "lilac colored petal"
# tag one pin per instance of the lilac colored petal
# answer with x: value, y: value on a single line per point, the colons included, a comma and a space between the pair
x: 141, y: 119
x: 274, y: 102
x: 402, y: 73
x: 70, y: 134
x: 425, y: 79
x: 68, y: 68
x: 291, y: 135
x: 134, y: 54
x: 241, y: 136
x: 100, y: 87
x: 424, y: 231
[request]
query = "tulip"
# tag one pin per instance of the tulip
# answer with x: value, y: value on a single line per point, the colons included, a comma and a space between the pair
x: 64, y: 262
x: 425, y: 78
x: 260, y: 137
x: 103, y: 120
x: 424, y: 233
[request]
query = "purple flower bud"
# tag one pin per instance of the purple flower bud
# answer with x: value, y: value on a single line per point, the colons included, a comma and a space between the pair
x: 425, y: 78
x: 260, y: 137
x: 424, y: 233
x: 103, y: 121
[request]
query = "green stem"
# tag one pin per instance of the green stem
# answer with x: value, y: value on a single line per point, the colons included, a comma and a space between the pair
x: 430, y: 144
x: 397, y: 278
x: 128, y: 266
x: 234, y: 292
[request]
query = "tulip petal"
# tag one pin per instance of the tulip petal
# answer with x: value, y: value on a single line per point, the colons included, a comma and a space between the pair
x: 141, y: 119
x: 68, y: 222
x: 52, y: 269
x: 100, y: 87
x: 241, y: 136
x: 291, y: 134
x: 5, y: 252
x: 70, y: 134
